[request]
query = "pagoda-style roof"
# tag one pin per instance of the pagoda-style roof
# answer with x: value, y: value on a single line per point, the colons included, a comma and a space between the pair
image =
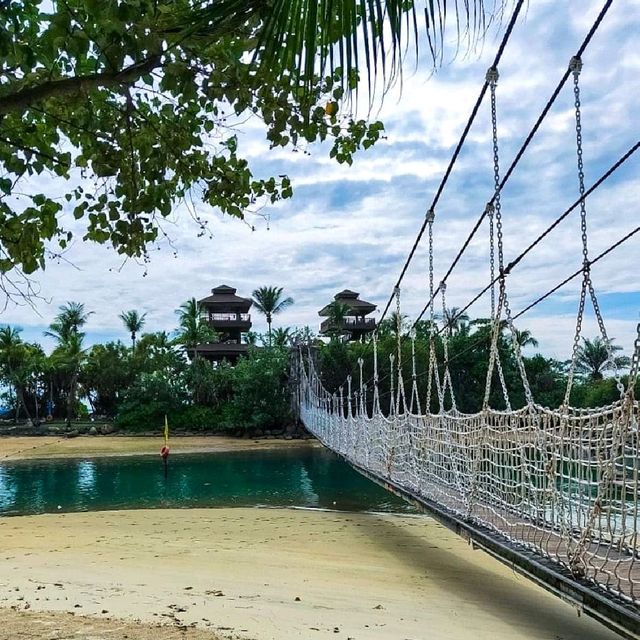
x: 350, y: 299
x: 225, y: 296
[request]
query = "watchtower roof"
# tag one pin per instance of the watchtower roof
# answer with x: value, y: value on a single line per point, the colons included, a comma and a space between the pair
x: 225, y: 295
x: 350, y: 299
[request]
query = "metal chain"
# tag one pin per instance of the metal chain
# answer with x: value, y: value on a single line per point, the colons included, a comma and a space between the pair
x: 446, y: 378
x: 492, y: 258
x: 635, y: 361
x: 398, y: 328
x: 575, y: 66
x: 430, y: 219
x: 611, y: 361
x: 576, y: 340
x: 415, y: 397
x: 376, y: 389
x: 492, y: 79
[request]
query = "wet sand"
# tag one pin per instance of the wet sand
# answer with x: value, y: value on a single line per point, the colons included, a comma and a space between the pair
x: 24, y: 447
x: 265, y: 574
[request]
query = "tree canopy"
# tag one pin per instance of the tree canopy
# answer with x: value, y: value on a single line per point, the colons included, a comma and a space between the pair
x: 132, y: 106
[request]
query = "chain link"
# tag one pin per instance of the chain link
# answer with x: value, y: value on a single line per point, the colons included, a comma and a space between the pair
x: 492, y: 258
x: 635, y: 360
x: 575, y: 66
x: 492, y: 78
x: 430, y: 218
x: 398, y: 329
x: 446, y: 381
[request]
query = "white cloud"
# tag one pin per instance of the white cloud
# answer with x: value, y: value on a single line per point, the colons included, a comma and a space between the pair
x: 353, y: 226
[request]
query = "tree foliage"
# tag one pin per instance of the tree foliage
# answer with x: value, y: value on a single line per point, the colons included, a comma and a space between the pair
x: 132, y: 106
x: 270, y: 302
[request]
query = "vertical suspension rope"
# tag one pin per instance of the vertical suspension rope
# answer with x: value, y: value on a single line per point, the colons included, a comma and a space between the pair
x: 432, y: 369
x: 446, y: 381
x: 492, y: 79
x: 401, y: 402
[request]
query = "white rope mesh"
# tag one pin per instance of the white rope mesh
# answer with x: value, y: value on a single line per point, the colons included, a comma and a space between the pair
x: 562, y: 483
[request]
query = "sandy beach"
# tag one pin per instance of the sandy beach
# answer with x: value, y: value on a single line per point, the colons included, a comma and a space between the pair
x: 259, y: 574
x: 265, y: 574
x: 21, y: 447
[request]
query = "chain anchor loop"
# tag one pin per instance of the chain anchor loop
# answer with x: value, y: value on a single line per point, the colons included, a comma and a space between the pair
x: 575, y: 66
x: 492, y: 75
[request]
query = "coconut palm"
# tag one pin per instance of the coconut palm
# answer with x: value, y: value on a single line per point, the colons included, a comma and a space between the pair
x: 15, y: 364
x: 282, y: 336
x: 193, y: 329
x: 389, y: 326
x: 134, y: 322
x: 69, y: 354
x: 525, y: 338
x: 69, y: 357
x: 455, y: 319
x: 269, y: 302
x: 338, y: 311
x: 71, y: 318
x: 593, y: 358
x: 312, y: 37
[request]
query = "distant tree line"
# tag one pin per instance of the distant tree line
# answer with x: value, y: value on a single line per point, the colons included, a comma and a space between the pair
x: 138, y: 381
x: 469, y: 347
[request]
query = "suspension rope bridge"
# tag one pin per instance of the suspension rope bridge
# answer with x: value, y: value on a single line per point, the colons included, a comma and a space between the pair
x: 553, y: 492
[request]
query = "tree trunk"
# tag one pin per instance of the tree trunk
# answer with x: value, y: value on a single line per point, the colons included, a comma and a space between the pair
x: 133, y: 341
x: 269, y: 324
x: 21, y: 401
x: 71, y: 397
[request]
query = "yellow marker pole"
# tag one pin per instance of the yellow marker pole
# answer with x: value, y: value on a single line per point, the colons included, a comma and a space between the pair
x: 165, y: 456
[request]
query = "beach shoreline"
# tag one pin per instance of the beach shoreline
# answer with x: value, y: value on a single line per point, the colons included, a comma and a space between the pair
x: 43, y: 447
x: 266, y: 574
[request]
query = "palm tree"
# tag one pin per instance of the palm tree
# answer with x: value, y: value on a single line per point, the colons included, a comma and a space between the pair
x: 193, y: 329
x: 69, y: 354
x: 134, y: 322
x: 338, y: 311
x: 454, y: 319
x: 69, y: 357
x: 525, y: 338
x: 71, y: 319
x: 269, y: 301
x: 15, y: 361
x: 309, y: 37
x: 593, y: 358
x: 282, y: 336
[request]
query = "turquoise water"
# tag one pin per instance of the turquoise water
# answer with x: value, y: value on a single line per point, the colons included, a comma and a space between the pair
x: 278, y: 478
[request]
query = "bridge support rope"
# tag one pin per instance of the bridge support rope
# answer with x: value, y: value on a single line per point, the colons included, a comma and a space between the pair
x: 543, y: 483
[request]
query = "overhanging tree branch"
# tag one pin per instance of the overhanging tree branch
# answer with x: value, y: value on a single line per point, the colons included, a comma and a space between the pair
x: 22, y: 100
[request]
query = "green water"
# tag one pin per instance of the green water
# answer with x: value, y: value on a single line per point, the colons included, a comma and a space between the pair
x: 278, y: 478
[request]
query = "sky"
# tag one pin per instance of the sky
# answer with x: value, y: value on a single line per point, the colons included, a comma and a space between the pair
x: 352, y: 227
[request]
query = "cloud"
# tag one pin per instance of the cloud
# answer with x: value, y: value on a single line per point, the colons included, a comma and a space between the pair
x: 354, y: 226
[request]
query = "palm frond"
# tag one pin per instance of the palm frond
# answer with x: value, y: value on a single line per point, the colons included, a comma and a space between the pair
x: 341, y: 38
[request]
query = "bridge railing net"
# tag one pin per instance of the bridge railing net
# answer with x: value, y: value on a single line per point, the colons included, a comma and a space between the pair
x: 562, y: 483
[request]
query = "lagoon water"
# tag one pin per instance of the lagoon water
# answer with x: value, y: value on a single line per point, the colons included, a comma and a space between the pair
x: 311, y: 478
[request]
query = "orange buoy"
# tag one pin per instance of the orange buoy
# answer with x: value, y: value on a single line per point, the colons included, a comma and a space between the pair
x: 164, y: 452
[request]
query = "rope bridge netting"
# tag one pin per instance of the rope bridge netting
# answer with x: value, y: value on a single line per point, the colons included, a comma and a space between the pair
x: 563, y: 482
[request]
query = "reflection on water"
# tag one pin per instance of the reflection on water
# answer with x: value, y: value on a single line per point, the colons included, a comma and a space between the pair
x: 304, y: 478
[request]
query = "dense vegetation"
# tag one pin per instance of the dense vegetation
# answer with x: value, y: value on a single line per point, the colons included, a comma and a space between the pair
x: 469, y: 347
x: 160, y: 374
